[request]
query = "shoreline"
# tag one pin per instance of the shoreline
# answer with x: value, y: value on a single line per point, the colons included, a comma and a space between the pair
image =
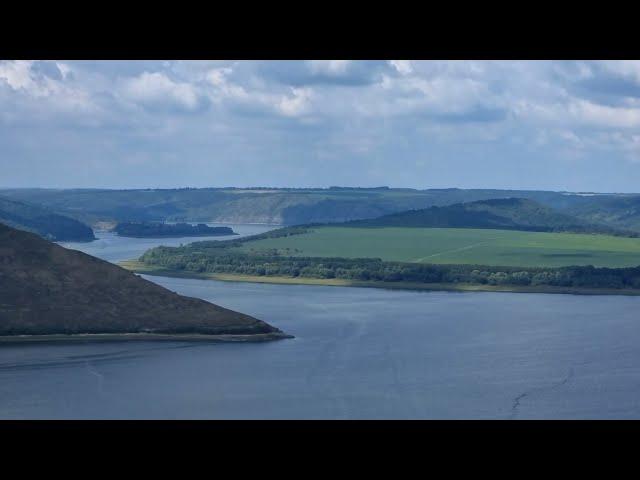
x: 118, y: 337
x: 141, y: 268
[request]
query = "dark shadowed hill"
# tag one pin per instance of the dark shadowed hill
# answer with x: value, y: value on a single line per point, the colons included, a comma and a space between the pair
x: 45, y: 223
x: 499, y: 213
x: 47, y: 289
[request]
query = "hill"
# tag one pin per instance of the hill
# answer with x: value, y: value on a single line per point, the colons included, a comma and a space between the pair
x: 45, y: 223
x: 621, y: 211
x: 287, y: 206
x: 295, y: 206
x: 498, y: 213
x: 48, y: 290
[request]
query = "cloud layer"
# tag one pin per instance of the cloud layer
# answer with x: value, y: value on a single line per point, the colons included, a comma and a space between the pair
x: 503, y: 124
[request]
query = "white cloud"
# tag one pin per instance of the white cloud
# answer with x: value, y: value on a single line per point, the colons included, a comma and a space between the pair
x: 40, y: 95
x: 329, y: 67
x: 625, y: 68
x: 403, y: 67
x: 64, y: 69
x: 296, y: 104
x: 293, y: 103
x: 156, y: 89
x: 330, y: 109
x: 590, y: 113
x: 17, y: 74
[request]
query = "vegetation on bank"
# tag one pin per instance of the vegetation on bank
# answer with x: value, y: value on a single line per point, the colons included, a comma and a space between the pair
x: 224, y: 258
x: 157, y: 229
x: 143, y: 268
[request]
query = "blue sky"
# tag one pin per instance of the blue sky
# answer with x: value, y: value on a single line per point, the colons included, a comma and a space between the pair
x: 423, y: 124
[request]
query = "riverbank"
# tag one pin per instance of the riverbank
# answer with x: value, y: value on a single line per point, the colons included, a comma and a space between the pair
x: 140, y: 267
x: 119, y: 337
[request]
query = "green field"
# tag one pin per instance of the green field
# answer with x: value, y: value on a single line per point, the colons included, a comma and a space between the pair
x: 459, y: 246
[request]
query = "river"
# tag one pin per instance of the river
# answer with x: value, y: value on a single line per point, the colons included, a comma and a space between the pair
x: 358, y: 353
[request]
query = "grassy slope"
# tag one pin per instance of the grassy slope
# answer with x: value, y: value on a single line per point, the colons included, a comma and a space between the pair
x: 460, y: 246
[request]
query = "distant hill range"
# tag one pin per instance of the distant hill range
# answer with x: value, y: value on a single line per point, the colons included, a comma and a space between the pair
x: 48, y: 289
x: 158, y: 230
x: 42, y: 221
x: 296, y: 206
x: 500, y: 213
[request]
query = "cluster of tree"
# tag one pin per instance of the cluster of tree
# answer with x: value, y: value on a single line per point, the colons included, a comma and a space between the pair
x: 224, y: 260
x: 157, y: 229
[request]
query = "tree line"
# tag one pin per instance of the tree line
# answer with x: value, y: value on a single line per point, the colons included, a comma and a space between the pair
x: 206, y: 257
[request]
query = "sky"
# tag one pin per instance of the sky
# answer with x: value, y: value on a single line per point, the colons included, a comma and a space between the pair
x: 550, y: 125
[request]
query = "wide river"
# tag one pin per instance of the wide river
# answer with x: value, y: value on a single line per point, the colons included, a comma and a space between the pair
x: 358, y: 353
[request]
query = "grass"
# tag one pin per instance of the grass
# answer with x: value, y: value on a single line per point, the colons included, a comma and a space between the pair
x: 459, y: 246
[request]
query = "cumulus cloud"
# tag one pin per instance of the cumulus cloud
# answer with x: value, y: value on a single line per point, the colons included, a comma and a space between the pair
x: 332, y: 68
x: 403, y: 67
x: 297, y: 103
x: 37, y: 90
x: 366, y: 116
x: 17, y: 74
x: 157, y: 89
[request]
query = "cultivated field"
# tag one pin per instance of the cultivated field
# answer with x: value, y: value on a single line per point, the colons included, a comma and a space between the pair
x: 458, y: 246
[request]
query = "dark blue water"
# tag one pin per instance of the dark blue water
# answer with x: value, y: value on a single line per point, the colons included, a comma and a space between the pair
x: 358, y: 353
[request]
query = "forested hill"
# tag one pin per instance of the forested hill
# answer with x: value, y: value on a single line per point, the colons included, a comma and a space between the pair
x: 45, y: 223
x: 501, y: 213
x: 48, y: 289
x: 296, y: 206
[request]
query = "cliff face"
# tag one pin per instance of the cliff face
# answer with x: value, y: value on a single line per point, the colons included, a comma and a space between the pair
x: 47, y: 289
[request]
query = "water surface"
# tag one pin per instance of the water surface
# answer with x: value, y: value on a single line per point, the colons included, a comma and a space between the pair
x: 358, y: 353
x: 109, y: 246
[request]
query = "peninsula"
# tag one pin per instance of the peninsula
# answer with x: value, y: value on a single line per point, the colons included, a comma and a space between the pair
x: 53, y: 293
x: 501, y: 245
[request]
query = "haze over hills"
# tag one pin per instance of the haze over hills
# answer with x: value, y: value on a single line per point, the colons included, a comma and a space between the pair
x: 48, y: 289
x: 499, y: 213
x: 290, y: 206
x: 40, y: 220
